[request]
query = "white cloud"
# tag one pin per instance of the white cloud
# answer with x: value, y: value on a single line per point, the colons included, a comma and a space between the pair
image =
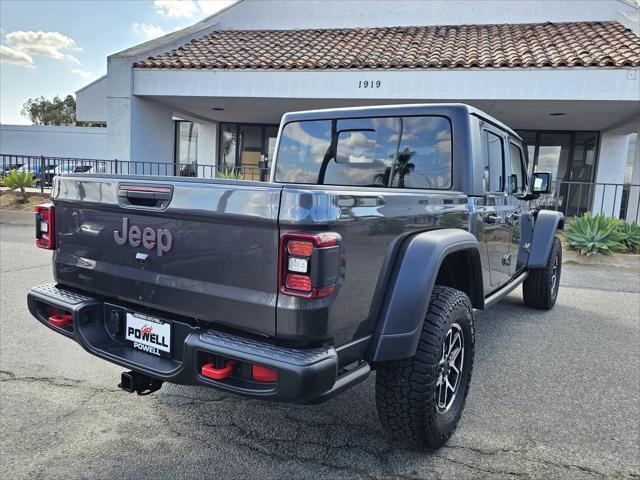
x: 209, y: 7
x: 47, y: 44
x: 175, y: 8
x: 81, y: 73
x: 148, y: 29
x: 15, y: 57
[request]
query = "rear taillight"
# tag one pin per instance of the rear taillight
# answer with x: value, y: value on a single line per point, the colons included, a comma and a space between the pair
x: 45, y: 226
x: 309, y: 264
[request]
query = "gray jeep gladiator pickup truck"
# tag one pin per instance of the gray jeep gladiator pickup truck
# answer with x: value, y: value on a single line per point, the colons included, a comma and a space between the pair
x: 380, y: 231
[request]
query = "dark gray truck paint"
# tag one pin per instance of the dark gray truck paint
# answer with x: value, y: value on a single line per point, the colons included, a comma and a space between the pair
x: 222, y: 270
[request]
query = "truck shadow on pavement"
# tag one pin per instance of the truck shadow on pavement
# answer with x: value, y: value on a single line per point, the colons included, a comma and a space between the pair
x: 343, y: 436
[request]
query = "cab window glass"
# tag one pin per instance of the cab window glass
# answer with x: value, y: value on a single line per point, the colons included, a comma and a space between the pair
x: 400, y: 152
x: 494, y: 163
x: 365, y: 148
x: 424, y: 154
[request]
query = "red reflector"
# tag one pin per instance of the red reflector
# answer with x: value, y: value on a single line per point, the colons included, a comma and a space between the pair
x: 210, y: 371
x: 298, y: 247
x: 298, y: 282
x: 263, y: 374
x: 60, y: 320
x: 325, y: 292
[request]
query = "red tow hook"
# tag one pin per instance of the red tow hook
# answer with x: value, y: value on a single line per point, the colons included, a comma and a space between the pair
x: 60, y: 321
x: 210, y: 371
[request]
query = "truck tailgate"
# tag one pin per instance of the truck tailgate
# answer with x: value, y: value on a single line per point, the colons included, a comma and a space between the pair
x: 206, y: 249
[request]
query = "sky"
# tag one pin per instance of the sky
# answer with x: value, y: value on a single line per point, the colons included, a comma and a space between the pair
x: 55, y: 47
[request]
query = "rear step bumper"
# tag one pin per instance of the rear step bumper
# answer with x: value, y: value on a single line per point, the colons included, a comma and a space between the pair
x: 303, y: 375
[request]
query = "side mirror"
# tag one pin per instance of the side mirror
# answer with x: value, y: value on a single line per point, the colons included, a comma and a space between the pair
x: 541, y: 183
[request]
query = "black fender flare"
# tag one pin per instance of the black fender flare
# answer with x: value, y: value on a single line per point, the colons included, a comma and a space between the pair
x: 544, y: 230
x: 409, y: 288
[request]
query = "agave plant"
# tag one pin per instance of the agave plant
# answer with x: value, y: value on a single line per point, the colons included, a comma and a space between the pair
x: 594, y: 234
x: 631, y: 232
x: 229, y: 174
x: 19, y: 180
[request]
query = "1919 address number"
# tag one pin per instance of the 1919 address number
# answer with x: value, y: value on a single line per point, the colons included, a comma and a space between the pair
x: 369, y: 83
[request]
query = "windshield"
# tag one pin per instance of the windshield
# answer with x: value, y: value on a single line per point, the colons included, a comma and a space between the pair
x: 401, y: 152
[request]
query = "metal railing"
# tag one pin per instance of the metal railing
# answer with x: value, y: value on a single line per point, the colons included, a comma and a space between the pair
x: 570, y: 197
x: 45, y: 168
x: 575, y: 198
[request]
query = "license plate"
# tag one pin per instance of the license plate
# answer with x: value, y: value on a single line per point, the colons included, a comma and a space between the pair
x: 149, y: 334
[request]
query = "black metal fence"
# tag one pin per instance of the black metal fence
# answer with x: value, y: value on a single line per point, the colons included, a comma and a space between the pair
x: 571, y: 198
x: 575, y: 198
x: 45, y: 168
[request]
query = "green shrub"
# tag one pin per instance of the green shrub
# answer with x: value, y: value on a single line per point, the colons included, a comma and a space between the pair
x: 631, y: 232
x: 14, y: 180
x: 229, y: 174
x: 590, y: 235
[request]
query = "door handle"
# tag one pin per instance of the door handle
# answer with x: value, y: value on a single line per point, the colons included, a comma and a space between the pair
x: 492, y: 219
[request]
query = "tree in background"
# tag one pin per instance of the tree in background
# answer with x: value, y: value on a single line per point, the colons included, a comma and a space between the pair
x: 42, y: 111
x: 58, y: 111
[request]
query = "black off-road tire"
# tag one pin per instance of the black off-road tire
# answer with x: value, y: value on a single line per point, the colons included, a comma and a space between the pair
x: 406, y: 390
x: 539, y: 289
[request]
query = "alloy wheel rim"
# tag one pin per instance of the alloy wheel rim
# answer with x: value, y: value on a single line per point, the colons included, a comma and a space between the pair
x: 450, y: 369
x: 554, y: 274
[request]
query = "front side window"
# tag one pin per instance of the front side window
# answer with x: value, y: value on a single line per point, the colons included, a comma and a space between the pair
x: 517, y: 179
x: 401, y: 152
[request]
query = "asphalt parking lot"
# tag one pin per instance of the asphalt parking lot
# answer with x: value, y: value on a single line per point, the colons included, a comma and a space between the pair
x: 554, y: 395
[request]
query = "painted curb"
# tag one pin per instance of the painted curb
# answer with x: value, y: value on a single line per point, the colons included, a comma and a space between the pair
x: 622, y: 260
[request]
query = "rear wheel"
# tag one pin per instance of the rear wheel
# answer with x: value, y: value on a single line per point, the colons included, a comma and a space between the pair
x: 420, y: 399
x: 540, y: 289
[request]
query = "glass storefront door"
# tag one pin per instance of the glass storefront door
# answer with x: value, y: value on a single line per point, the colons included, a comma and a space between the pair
x: 247, y: 148
x: 570, y: 157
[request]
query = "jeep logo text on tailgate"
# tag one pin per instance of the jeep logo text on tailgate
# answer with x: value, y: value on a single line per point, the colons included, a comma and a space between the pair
x: 161, y: 240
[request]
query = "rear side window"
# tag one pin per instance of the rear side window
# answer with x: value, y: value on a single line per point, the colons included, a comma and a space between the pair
x: 303, y: 146
x: 400, y: 152
x: 494, y: 162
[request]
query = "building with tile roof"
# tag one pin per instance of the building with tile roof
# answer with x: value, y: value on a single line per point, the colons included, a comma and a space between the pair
x: 564, y: 74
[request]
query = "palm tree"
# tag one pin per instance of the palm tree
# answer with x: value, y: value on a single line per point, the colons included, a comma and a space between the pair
x: 402, y: 167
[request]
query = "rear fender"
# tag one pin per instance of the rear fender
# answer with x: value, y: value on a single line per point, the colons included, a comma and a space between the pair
x: 409, y: 289
x: 544, y: 230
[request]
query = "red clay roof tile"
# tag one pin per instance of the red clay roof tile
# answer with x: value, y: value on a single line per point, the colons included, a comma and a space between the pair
x: 578, y: 44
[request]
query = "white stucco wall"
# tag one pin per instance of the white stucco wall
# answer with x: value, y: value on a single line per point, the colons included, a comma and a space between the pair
x: 469, y: 84
x: 298, y: 14
x: 76, y: 142
x: 91, y: 101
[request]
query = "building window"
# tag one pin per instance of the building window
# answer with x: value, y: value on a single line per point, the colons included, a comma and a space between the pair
x: 247, y: 149
x: 571, y: 158
x: 228, y: 143
x: 186, y: 155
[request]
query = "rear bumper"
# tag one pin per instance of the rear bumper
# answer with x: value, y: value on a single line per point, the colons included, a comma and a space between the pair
x: 304, y: 375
